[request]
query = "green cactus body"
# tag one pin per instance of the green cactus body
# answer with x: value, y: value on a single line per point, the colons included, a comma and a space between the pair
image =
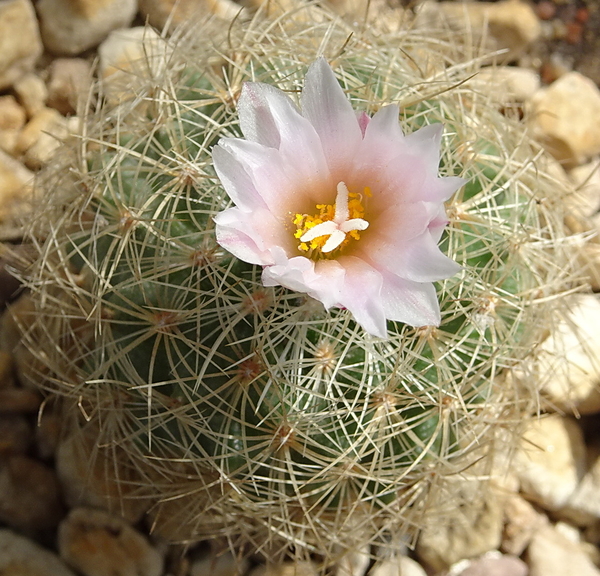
x: 288, y: 420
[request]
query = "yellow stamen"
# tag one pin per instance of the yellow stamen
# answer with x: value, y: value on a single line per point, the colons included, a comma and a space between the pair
x: 347, y: 221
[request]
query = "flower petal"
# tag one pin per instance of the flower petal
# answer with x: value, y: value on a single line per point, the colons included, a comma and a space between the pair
x: 414, y: 303
x: 291, y: 164
x: 361, y: 295
x: 384, y: 134
x: 330, y: 112
x: 321, y: 280
x: 272, y: 119
x: 425, y: 143
x: 444, y: 188
x: 250, y: 235
x: 235, y: 179
x: 237, y: 235
x: 403, y: 243
x: 256, y: 115
x: 265, y: 171
x: 423, y: 261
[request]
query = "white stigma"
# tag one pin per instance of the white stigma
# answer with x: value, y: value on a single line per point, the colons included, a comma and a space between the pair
x: 337, y: 228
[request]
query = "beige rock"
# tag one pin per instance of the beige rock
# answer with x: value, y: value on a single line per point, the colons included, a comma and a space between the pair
x: 48, y: 432
x: 9, y: 284
x: 15, y: 187
x: 219, y: 565
x: 565, y: 117
x: 507, y: 83
x: 568, y: 368
x: 19, y: 556
x: 98, y: 544
x: 569, y: 531
x: 552, y: 554
x: 69, y: 84
x: 286, y: 569
x: 128, y: 59
x: 353, y: 563
x: 551, y: 460
x: 8, y: 141
x: 20, y: 44
x: 41, y: 137
x: 71, y: 26
x: 12, y: 115
x: 32, y: 93
x: 17, y: 318
x: 509, y: 25
x: 15, y: 435
x: 583, y: 507
x: 166, y: 14
x: 490, y: 564
x: 402, y: 566
x: 475, y: 529
x: 586, y: 179
x: 521, y: 521
x: 6, y: 370
x: 12, y: 119
x: 29, y: 495
x: 85, y: 472
x: 19, y: 400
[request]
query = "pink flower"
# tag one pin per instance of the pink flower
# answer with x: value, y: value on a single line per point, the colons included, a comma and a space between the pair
x: 340, y: 206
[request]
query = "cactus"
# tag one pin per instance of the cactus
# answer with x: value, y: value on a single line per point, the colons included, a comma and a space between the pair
x: 252, y: 413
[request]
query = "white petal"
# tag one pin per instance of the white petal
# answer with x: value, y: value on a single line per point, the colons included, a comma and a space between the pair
x: 384, y: 134
x: 321, y: 281
x: 444, y: 188
x: 256, y: 116
x: 330, y: 112
x: 361, y: 295
x: 396, y: 180
x: 269, y: 117
x: 425, y: 143
x: 250, y: 236
x: 236, y: 234
x: 235, y: 179
x: 414, y: 303
x: 397, y: 225
x: 404, y: 242
x: 268, y: 174
x: 423, y: 261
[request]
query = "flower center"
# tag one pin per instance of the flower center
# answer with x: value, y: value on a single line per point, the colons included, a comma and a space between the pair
x: 332, y: 226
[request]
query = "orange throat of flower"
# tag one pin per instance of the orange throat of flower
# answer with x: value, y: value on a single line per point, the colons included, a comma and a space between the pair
x: 333, y: 226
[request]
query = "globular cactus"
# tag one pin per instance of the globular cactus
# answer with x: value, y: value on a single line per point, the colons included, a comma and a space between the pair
x: 250, y: 412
